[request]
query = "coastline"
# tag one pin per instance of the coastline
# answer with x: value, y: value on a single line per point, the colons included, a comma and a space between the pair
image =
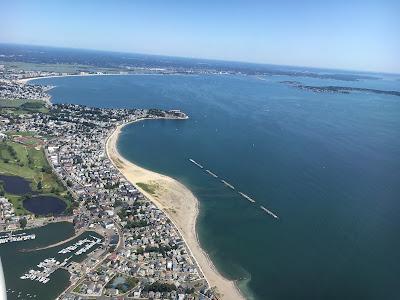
x: 26, y: 80
x: 180, y: 205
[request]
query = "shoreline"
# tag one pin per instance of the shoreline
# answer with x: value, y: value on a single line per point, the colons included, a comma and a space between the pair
x: 26, y: 80
x: 179, y: 204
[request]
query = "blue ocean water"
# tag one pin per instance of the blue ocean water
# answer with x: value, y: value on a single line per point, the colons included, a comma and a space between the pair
x: 327, y: 164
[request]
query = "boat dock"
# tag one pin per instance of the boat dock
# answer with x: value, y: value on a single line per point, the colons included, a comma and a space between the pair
x: 74, y: 246
x: 89, y: 244
x: 19, y: 237
x: 49, y: 266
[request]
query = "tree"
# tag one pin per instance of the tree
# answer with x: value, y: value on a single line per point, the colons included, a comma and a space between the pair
x: 23, y: 222
x: 2, y: 192
x: 26, y: 196
x: 39, y: 185
x: 46, y: 169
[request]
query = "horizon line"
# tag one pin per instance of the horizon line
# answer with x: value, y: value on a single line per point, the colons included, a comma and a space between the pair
x: 201, y: 58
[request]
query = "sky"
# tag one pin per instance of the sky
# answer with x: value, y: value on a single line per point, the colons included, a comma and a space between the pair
x: 352, y: 34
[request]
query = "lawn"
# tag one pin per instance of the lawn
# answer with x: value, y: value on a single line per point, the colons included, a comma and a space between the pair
x: 22, y: 106
x: 30, y: 163
x: 17, y: 202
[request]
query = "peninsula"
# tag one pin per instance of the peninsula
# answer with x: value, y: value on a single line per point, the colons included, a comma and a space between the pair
x: 146, y: 220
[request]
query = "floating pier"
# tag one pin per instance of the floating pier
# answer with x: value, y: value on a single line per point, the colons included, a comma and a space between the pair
x: 16, y: 238
x: 74, y: 246
x: 89, y: 246
x: 49, y: 266
x: 269, y: 212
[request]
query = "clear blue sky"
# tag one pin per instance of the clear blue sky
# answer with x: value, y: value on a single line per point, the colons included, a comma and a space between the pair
x: 358, y: 35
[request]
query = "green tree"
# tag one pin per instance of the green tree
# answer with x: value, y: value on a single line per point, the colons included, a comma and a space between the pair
x: 23, y: 222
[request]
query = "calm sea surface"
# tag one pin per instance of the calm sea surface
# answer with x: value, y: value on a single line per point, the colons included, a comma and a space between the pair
x: 327, y: 164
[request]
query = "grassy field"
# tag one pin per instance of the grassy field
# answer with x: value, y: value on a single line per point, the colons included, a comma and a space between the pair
x: 22, y: 106
x: 29, y: 161
x: 151, y: 188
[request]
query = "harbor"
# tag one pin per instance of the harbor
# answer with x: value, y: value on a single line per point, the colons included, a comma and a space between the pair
x: 49, y: 266
x: 46, y: 270
x: 19, y: 237
x: 90, y: 244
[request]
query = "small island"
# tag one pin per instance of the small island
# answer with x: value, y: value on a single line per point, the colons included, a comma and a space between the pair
x: 337, y: 89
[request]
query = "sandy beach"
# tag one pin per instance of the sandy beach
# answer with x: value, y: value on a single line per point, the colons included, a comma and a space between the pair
x: 181, y: 206
x: 26, y: 80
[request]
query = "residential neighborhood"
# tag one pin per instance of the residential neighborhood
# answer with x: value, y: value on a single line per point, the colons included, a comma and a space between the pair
x: 143, y: 255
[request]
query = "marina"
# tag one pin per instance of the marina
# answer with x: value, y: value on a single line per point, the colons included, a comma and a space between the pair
x: 19, y: 237
x: 49, y: 266
x: 90, y: 244
x: 73, y: 247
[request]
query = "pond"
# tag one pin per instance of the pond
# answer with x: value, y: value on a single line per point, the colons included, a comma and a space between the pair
x: 15, y: 185
x: 44, y: 205
x: 37, y: 204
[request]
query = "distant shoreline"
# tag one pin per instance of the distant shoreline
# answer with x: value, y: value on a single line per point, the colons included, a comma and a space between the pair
x: 180, y: 205
x: 26, y: 80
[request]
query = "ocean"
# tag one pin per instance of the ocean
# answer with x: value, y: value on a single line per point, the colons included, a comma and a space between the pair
x: 328, y: 164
